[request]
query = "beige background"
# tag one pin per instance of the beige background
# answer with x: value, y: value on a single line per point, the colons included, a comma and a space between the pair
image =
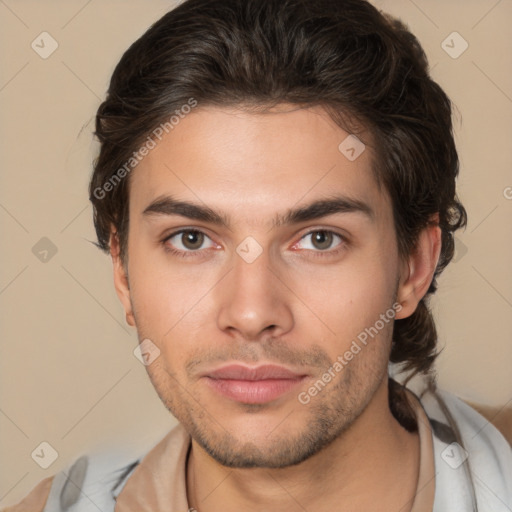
x: 68, y: 373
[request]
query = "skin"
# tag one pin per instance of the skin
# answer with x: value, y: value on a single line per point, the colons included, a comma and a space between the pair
x: 299, y: 304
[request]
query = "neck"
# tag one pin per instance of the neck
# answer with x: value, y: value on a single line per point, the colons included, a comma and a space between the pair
x: 360, y: 470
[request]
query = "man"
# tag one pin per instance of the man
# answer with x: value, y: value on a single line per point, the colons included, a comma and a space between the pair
x: 267, y: 320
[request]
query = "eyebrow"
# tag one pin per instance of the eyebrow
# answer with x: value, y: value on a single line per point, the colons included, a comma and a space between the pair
x: 167, y: 205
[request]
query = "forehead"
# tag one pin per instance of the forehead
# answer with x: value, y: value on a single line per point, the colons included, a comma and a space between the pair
x: 256, y: 163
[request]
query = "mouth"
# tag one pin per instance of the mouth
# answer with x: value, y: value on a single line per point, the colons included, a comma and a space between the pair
x: 257, y: 385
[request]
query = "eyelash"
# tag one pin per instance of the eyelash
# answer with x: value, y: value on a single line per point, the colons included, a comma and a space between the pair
x: 187, y: 254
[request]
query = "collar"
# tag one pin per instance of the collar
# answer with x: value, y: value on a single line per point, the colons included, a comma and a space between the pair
x: 158, y: 481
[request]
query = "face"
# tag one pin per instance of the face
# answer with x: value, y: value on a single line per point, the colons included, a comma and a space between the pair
x: 283, y: 257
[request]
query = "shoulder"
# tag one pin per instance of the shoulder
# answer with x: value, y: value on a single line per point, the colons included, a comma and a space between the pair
x: 473, y: 459
x: 35, y: 500
x: 93, y: 481
x: 500, y: 417
x: 90, y: 483
x: 475, y: 429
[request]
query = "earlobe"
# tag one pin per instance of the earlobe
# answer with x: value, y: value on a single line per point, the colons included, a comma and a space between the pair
x: 121, y: 278
x: 419, y: 269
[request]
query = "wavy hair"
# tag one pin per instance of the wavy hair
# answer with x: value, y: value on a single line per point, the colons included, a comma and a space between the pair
x: 364, y: 67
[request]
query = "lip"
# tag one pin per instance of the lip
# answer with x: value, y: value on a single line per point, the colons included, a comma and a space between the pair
x: 257, y: 385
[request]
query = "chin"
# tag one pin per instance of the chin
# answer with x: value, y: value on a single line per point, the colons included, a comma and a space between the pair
x: 279, y: 448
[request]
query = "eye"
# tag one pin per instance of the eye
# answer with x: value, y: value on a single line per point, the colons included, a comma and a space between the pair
x: 187, y: 240
x: 321, y: 240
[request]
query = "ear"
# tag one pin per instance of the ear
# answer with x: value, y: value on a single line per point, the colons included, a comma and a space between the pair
x: 121, y: 278
x: 418, y: 270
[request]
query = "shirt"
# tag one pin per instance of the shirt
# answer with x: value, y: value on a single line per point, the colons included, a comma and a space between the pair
x: 465, y: 465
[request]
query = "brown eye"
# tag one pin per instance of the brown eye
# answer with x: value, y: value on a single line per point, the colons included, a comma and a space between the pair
x: 192, y: 239
x: 188, y: 241
x: 322, y: 239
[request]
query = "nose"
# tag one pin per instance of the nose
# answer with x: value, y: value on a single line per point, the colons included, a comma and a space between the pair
x: 253, y: 301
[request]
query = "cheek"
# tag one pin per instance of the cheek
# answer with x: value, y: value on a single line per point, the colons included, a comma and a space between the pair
x: 161, y: 294
x: 171, y: 308
x: 349, y: 297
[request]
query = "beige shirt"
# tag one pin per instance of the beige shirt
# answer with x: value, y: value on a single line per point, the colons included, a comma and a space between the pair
x: 158, y: 482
